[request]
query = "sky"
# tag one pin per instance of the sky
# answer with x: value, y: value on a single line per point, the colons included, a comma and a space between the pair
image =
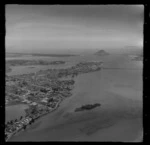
x: 72, y: 28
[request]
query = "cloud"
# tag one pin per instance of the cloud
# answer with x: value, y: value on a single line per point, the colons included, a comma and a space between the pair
x: 79, y: 25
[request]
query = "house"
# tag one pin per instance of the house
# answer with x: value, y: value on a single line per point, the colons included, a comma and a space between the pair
x: 26, y: 101
x: 94, y: 67
x: 45, y: 100
x: 34, y: 103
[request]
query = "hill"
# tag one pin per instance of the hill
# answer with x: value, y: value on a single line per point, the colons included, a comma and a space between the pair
x: 101, y: 53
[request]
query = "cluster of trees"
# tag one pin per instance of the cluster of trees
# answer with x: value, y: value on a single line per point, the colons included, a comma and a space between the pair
x: 43, y: 90
x: 87, y: 107
x: 23, y: 83
x: 55, y: 89
x: 32, y: 110
x: 25, y: 126
x: 11, y: 122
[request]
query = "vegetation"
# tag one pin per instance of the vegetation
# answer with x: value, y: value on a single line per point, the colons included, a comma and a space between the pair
x: 87, y: 107
x: 8, y: 69
x: 43, y: 91
x: 24, y: 126
x: 101, y: 53
x: 21, y: 117
x: 36, y: 54
x: 20, y: 62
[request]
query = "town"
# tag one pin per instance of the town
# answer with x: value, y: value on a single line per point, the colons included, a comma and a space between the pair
x: 42, y: 91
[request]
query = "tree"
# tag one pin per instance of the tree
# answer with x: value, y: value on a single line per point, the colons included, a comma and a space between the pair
x: 11, y: 122
x: 24, y: 126
x: 43, y: 90
x: 6, y: 136
x: 55, y: 89
x: 72, y: 76
x: 21, y: 117
x: 32, y: 120
x: 76, y: 74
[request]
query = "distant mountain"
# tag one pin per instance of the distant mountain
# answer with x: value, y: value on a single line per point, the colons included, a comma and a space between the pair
x: 101, y: 53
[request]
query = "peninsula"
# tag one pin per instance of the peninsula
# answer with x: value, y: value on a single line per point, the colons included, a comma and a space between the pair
x: 18, y: 62
x: 42, y: 91
x: 9, y: 54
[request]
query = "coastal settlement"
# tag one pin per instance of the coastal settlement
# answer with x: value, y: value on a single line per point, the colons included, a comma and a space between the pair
x: 42, y: 91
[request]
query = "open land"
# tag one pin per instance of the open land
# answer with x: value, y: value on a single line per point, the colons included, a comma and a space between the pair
x: 30, y: 63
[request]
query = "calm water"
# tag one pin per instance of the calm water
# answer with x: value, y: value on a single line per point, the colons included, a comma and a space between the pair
x: 15, y: 112
x: 118, y: 119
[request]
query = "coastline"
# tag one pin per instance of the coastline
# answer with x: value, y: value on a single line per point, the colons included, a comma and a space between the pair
x: 89, y: 92
x: 21, y: 129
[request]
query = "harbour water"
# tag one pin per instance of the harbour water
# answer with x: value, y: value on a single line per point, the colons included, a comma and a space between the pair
x: 15, y: 112
x: 117, y: 87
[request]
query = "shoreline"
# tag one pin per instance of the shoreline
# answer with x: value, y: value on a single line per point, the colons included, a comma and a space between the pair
x: 38, y: 117
x: 83, y: 91
x: 83, y: 68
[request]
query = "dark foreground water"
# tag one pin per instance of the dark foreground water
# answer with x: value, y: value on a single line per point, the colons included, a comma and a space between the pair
x: 119, y: 118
